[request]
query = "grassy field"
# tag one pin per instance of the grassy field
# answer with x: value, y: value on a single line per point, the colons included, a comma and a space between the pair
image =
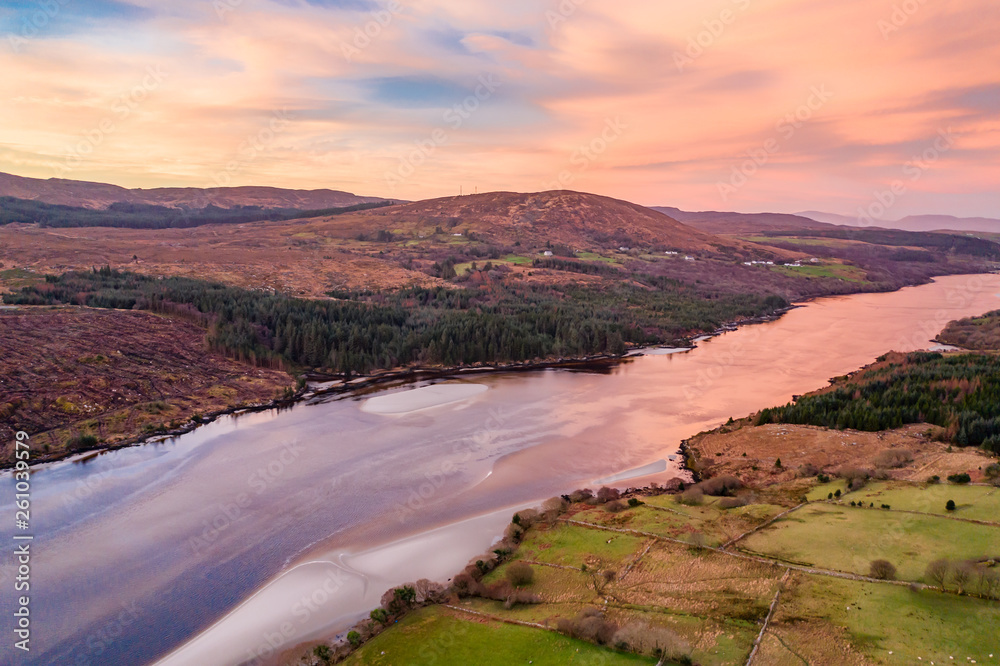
x: 574, y: 546
x: 839, y: 272
x: 437, y: 637
x: 972, y: 502
x: 893, y: 625
x: 847, y: 539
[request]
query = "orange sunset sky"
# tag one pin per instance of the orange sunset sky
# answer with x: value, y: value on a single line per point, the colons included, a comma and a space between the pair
x: 751, y: 105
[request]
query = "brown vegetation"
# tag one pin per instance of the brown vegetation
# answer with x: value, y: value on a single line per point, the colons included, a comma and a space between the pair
x: 909, y: 453
x: 72, y: 374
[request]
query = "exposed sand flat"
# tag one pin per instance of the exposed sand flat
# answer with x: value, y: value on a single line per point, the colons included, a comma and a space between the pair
x: 425, y: 397
x: 330, y: 591
x: 645, y: 470
x: 666, y: 351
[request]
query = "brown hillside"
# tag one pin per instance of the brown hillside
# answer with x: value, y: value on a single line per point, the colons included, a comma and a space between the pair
x: 101, y: 195
x: 576, y: 219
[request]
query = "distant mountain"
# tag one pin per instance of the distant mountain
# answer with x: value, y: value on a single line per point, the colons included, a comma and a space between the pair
x: 717, y: 222
x: 102, y: 195
x: 915, y: 222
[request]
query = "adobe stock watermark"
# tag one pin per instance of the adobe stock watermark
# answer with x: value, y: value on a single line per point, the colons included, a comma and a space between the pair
x: 365, y: 35
x: 785, y: 129
x: 303, y: 610
x: 121, y: 110
x: 230, y: 513
x: 714, y: 29
x: 913, y: 171
x: 107, y: 634
x: 252, y: 147
x: 454, y: 118
x: 494, y: 428
x: 562, y: 12
x: 224, y: 7
x: 32, y: 24
x: 900, y: 16
x: 586, y: 154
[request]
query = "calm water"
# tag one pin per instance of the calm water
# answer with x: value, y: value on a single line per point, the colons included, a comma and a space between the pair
x: 138, y: 550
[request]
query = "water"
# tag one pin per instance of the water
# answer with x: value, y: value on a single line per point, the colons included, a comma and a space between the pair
x: 139, y: 550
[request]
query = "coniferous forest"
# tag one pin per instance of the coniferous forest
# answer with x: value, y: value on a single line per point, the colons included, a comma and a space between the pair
x: 360, y: 332
x: 960, y: 393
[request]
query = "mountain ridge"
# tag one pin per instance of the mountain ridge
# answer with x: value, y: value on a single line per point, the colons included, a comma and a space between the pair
x: 100, y: 196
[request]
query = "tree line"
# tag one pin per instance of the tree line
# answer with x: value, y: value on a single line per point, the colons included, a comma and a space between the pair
x: 960, y: 393
x: 358, y: 332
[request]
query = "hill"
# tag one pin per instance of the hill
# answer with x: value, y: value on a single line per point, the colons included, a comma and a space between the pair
x: 716, y: 222
x: 102, y: 195
x: 915, y: 222
x: 572, y: 218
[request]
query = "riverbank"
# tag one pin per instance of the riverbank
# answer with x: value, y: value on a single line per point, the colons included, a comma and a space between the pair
x: 322, y: 385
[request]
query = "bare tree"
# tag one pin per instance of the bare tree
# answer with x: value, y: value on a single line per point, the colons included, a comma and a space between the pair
x: 961, y: 575
x: 937, y: 572
x: 600, y: 577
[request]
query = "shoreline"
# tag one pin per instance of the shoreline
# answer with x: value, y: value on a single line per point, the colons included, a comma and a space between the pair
x: 380, y: 380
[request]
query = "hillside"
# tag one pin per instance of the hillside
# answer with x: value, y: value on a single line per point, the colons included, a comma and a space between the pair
x: 572, y: 218
x: 101, y: 195
x: 716, y: 222
x: 915, y: 222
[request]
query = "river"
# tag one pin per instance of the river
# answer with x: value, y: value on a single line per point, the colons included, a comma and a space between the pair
x: 299, y: 519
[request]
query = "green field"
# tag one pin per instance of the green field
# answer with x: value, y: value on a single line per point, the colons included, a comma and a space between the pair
x: 593, y: 256
x: 431, y: 636
x: 572, y: 546
x: 884, y: 619
x: 972, y: 502
x: 846, y: 273
x: 848, y: 539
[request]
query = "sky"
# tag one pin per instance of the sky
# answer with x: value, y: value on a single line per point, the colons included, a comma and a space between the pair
x: 886, y: 107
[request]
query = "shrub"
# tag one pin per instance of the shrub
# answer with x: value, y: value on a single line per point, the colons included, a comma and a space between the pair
x: 992, y: 471
x: 399, y: 599
x: 893, y: 458
x: 81, y: 442
x: 934, y: 479
x: 693, y: 496
x: 615, y: 506
x: 882, y: 570
x: 806, y: 471
x: 643, y: 638
x: 634, y: 502
x: 837, y: 494
x: 465, y: 585
x: 960, y: 478
x: 606, y: 494
x: 950, y: 506
x: 354, y: 638
x: 720, y: 486
x: 588, y: 625
x: 324, y: 654
x: 732, y: 502
x: 777, y: 463
x: 856, y: 478
x: 380, y: 616
x: 520, y: 574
